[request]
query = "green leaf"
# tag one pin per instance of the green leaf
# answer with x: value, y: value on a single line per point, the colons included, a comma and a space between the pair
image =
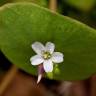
x: 84, y: 5
x: 21, y: 24
x: 2, y: 2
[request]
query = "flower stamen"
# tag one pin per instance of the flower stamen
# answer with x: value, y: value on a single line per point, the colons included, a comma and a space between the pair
x: 46, y: 55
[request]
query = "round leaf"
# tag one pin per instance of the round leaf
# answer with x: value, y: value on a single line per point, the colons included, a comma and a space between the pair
x: 21, y: 24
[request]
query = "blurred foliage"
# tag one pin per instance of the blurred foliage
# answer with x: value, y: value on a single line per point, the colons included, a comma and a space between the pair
x: 84, y: 5
x: 88, y: 17
x: 2, y: 2
x: 43, y: 3
x: 4, y: 62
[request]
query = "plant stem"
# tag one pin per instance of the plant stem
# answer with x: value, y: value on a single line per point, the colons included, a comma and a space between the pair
x: 53, y: 5
x: 8, y: 78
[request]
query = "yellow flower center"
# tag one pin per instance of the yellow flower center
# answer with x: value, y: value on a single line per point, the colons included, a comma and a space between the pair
x: 46, y: 55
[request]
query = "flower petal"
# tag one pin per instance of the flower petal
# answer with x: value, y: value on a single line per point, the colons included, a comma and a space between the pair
x: 50, y: 47
x: 38, y: 47
x: 57, y: 57
x: 48, y: 66
x: 39, y: 78
x: 36, y: 60
x: 40, y: 72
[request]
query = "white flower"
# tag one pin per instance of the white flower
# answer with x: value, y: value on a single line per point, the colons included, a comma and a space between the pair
x: 46, y: 56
